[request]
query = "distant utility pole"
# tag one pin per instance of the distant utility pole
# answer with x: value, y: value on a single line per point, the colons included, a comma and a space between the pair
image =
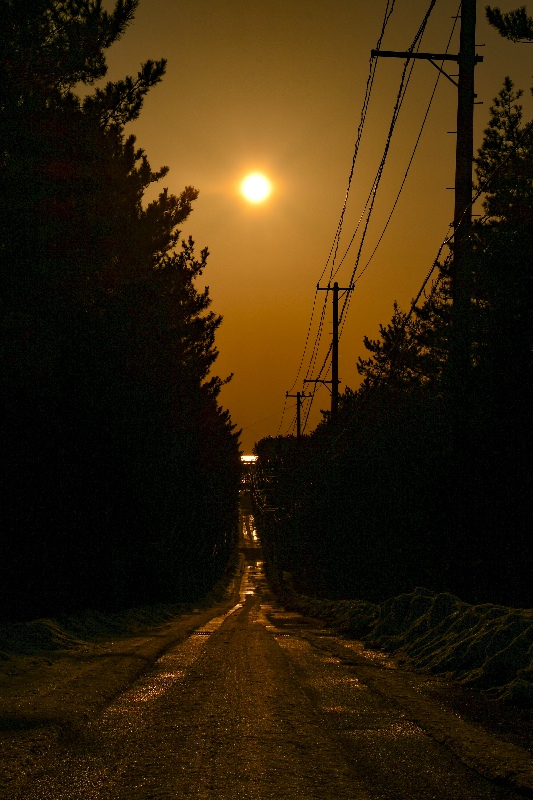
x: 299, y: 397
x: 334, y: 349
x: 467, y: 59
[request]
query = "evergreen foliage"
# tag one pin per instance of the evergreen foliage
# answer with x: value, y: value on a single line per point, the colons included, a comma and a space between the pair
x: 386, y: 500
x: 120, y: 468
x: 503, y: 242
x: 515, y: 25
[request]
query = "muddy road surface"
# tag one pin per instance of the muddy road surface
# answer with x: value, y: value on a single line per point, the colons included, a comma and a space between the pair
x: 260, y: 703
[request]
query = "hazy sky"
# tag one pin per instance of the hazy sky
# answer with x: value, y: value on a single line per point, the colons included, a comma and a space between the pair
x: 277, y: 86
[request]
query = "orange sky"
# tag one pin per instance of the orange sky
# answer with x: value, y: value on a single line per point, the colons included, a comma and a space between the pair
x: 277, y: 86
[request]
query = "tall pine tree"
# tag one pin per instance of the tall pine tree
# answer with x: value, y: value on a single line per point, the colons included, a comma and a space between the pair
x: 119, y: 463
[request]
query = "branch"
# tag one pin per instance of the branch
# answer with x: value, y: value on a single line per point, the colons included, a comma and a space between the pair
x: 515, y: 26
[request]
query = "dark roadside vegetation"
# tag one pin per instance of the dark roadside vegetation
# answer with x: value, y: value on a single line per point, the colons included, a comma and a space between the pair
x: 119, y: 469
x: 425, y: 481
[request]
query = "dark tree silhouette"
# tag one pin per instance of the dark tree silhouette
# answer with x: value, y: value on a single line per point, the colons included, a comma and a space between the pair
x: 121, y: 469
x: 515, y: 25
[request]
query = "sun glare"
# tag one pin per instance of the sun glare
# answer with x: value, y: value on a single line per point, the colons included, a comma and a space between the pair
x: 255, y: 187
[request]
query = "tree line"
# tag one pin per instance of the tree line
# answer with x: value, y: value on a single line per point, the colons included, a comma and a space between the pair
x: 419, y: 484
x: 120, y: 469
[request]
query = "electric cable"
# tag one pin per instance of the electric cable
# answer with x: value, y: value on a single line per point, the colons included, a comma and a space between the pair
x: 449, y: 239
x: 369, y: 84
x: 306, y: 340
x: 316, y: 384
x: 318, y: 337
x: 404, y: 82
x: 265, y: 418
x: 400, y: 331
x: 371, y: 199
x: 411, y: 158
x: 373, y: 192
x: 292, y: 426
x: 345, y: 310
x: 528, y: 130
x: 283, y: 413
x: 370, y: 80
x: 310, y: 405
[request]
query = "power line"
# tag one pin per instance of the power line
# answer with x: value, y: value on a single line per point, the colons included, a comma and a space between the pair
x: 412, y: 154
x: 310, y: 405
x: 370, y: 80
x: 316, y: 385
x: 399, y: 101
x: 400, y: 98
x: 306, y: 341
x: 528, y: 130
x: 315, y: 346
x: 318, y: 337
x: 404, y: 177
x: 369, y: 84
x: 265, y: 418
x: 292, y: 426
x: 526, y: 133
x: 397, y: 344
x: 282, y: 416
x: 371, y: 199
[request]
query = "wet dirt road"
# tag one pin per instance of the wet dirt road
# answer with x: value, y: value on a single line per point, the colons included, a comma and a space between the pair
x: 258, y: 704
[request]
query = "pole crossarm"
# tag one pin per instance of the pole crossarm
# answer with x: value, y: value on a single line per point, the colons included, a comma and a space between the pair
x: 431, y: 57
x: 428, y: 56
x: 299, y: 397
x: 329, y: 288
x: 318, y: 380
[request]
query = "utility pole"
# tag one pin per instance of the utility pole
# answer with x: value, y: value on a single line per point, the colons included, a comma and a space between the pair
x: 334, y: 349
x: 467, y: 59
x: 460, y: 355
x: 299, y: 397
x: 335, y: 356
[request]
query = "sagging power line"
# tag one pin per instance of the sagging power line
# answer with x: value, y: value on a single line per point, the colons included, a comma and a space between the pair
x: 367, y: 211
x: 467, y: 60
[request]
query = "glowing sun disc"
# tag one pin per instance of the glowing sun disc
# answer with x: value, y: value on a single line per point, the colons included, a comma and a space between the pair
x: 255, y: 187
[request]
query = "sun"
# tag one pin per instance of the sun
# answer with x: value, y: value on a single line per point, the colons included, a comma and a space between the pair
x: 256, y: 187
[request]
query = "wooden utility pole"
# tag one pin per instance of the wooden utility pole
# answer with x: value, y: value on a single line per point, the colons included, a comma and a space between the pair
x: 334, y: 349
x: 299, y: 397
x: 335, y: 356
x: 460, y: 353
